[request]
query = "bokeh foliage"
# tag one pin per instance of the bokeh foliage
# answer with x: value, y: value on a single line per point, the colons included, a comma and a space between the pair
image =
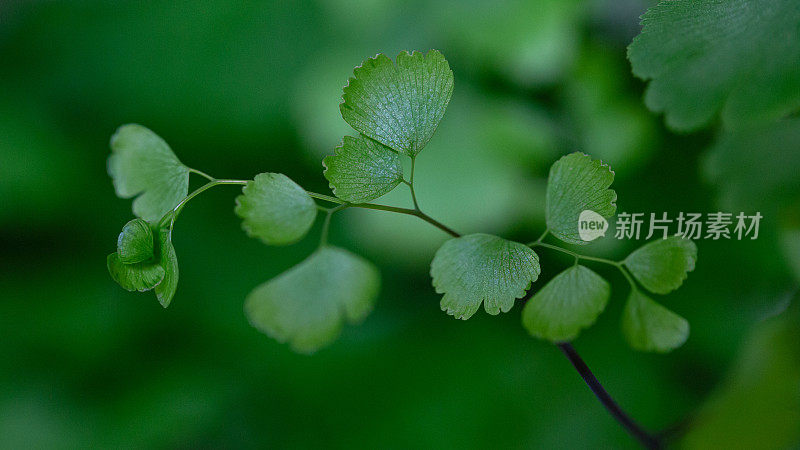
x: 240, y: 89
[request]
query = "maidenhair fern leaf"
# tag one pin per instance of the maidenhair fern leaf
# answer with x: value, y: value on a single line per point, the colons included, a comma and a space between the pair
x: 275, y: 209
x: 481, y: 268
x: 141, y: 276
x: 399, y: 104
x: 135, y: 243
x: 143, y: 166
x: 165, y: 290
x: 662, y: 265
x: 362, y: 169
x: 566, y: 304
x: 307, y: 305
x: 577, y: 183
x: 650, y: 327
x: 740, y: 58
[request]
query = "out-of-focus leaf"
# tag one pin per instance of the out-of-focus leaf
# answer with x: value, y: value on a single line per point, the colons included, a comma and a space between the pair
x: 399, y: 105
x: 566, y: 304
x: 307, y: 305
x: 577, y: 183
x: 528, y: 43
x: 143, y: 166
x: 135, y: 243
x: 275, y: 209
x: 481, y: 268
x: 767, y: 155
x: 739, y: 58
x: 650, y: 327
x: 758, y: 406
x: 362, y: 169
x: 662, y: 265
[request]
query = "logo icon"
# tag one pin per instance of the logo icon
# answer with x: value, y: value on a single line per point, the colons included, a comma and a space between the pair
x: 591, y: 225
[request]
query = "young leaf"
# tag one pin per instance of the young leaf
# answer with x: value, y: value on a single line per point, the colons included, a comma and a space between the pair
x: 308, y: 304
x: 650, y: 327
x: 169, y: 261
x: 737, y: 57
x: 399, y: 105
x: 577, y: 183
x: 662, y: 265
x: 135, y: 243
x: 275, y: 209
x: 142, y: 164
x: 141, y: 277
x: 567, y: 304
x: 481, y: 268
x: 362, y: 169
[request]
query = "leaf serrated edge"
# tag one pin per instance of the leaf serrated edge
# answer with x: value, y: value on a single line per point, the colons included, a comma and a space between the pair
x: 514, y: 296
x: 691, y: 258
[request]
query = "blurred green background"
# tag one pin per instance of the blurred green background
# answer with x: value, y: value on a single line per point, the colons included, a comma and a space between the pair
x: 238, y: 88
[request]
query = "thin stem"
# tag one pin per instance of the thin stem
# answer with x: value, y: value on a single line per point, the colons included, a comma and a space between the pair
x: 327, y: 198
x: 437, y: 224
x: 202, y: 174
x: 410, y: 184
x: 646, y: 439
x: 601, y: 260
x: 628, y: 277
x: 323, y: 238
x: 173, y: 214
x: 541, y: 238
x: 574, y: 254
x: 409, y: 212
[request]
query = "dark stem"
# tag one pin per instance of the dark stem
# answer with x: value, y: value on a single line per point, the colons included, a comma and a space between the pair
x: 436, y: 223
x: 410, y: 212
x: 646, y: 439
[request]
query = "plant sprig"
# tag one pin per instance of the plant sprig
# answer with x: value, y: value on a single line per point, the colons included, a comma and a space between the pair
x: 396, y: 107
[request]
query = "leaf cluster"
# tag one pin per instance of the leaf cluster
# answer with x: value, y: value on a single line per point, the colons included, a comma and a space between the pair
x: 395, y: 108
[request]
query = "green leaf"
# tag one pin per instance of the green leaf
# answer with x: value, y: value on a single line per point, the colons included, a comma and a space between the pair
x: 275, y: 209
x: 135, y: 243
x: 662, y: 265
x: 650, y: 327
x: 757, y: 404
x: 481, y: 268
x: 733, y: 165
x: 399, y: 105
x: 159, y: 271
x: 141, y: 277
x: 169, y: 261
x: 362, y: 169
x: 570, y: 302
x: 308, y: 304
x: 740, y: 58
x: 577, y: 183
x: 142, y: 164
